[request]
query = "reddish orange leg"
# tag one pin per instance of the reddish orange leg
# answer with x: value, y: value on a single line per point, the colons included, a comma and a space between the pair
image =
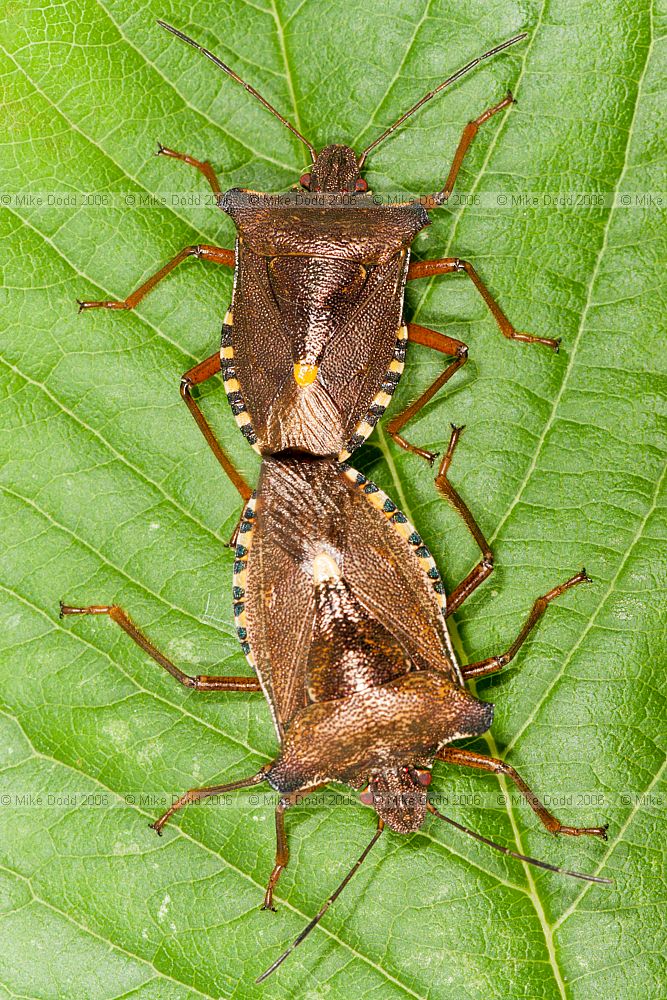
x: 468, y: 758
x: 485, y: 566
x: 282, y: 850
x: 494, y: 663
x: 467, y: 136
x: 197, y: 794
x: 217, y: 255
x: 450, y: 265
x: 203, y: 166
x: 196, y: 376
x: 199, y: 683
x: 282, y: 854
x: 438, y: 342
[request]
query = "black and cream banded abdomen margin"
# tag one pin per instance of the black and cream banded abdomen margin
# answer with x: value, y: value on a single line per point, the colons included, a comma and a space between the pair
x: 365, y: 427
x: 232, y: 387
x: 243, y: 544
x: 239, y: 579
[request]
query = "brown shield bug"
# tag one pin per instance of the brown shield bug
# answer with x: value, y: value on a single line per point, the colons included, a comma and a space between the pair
x: 339, y: 605
x: 341, y: 612
x: 314, y: 343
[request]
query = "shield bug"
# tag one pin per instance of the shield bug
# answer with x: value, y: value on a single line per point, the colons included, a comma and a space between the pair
x: 314, y: 343
x: 341, y: 611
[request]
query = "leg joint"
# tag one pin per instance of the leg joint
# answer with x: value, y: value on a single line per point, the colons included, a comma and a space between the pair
x: 186, y: 388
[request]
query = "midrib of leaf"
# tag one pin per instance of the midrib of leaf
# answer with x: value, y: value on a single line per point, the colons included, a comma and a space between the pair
x: 547, y: 928
x: 459, y: 645
x: 550, y: 929
x: 394, y: 473
x: 539, y: 908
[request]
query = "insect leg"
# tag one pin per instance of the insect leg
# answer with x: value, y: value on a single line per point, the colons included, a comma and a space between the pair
x: 196, y: 794
x: 282, y: 850
x: 196, y: 376
x: 325, y: 906
x: 450, y: 265
x: 494, y: 663
x: 468, y: 758
x: 467, y: 136
x: 282, y: 853
x: 218, y: 255
x: 205, y: 167
x: 199, y: 683
x: 485, y: 566
x: 446, y: 345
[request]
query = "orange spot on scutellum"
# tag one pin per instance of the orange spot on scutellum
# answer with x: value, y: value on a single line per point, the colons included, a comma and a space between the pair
x: 304, y: 373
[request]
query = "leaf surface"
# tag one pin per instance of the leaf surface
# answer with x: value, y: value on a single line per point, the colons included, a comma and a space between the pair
x: 108, y: 493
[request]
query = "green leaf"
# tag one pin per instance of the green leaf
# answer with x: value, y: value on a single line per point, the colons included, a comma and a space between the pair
x: 110, y: 494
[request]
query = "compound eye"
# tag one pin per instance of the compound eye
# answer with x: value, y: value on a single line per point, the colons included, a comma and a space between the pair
x: 360, y: 186
x: 304, y: 181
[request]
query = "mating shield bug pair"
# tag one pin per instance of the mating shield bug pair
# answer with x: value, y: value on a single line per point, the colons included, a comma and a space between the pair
x: 339, y: 606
